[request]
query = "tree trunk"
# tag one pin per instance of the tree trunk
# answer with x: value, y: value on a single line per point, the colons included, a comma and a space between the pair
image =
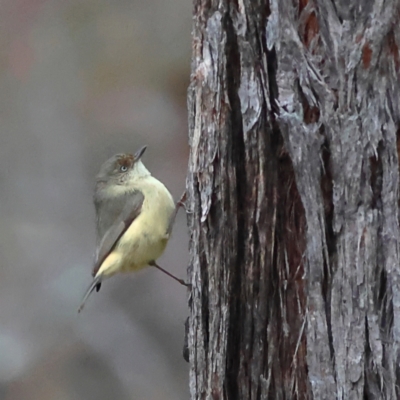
x: 294, y: 115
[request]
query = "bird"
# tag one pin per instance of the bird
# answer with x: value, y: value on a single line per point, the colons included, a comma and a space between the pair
x: 135, y: 213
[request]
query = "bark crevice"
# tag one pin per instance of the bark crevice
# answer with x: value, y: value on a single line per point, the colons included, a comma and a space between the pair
x: 294, y: 115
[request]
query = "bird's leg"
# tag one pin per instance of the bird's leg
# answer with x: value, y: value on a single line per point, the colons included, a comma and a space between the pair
x: 182, y: 201
x: 181, y: 281
x: 179, y: 204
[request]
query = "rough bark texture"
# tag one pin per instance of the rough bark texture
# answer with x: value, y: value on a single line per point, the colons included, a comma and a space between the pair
x: 294, y: 114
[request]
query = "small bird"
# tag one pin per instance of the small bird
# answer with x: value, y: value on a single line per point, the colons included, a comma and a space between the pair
x: 134, y: 213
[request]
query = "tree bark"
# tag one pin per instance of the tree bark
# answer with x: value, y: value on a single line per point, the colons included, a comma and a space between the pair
x: 294, y: 119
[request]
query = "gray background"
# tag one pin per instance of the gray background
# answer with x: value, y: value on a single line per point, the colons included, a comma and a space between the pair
x: 79, y: 81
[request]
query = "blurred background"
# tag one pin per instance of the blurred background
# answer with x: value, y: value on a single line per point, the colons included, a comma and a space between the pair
x: 81, y: 80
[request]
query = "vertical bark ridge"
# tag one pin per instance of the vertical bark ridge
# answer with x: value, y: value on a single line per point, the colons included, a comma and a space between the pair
x: 294, y: 115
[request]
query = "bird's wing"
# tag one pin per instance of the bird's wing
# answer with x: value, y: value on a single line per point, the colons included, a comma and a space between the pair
x: 129, y: 213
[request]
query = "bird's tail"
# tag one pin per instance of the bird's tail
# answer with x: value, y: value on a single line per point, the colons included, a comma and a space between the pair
x: 94, y: 285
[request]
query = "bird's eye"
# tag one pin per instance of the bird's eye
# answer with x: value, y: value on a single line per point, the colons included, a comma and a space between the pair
x: 123, y: 168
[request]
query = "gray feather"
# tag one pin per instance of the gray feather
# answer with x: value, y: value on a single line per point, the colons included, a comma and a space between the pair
x: 114, y: 216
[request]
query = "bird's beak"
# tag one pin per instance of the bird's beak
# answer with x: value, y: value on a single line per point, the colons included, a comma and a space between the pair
x: 139, y: 153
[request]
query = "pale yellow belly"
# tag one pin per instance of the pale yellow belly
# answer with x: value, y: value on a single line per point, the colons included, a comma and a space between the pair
x: 136, y: 254
x: 146, y: 238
